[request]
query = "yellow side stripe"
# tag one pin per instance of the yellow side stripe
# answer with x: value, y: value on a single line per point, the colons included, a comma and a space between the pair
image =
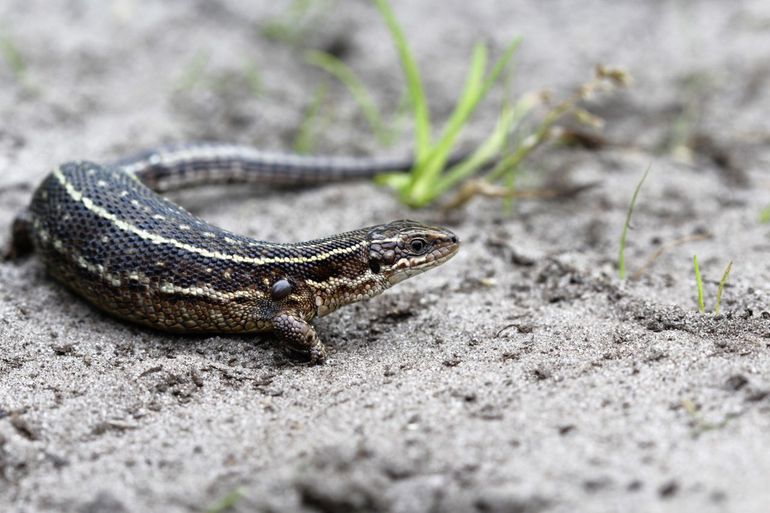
x: 159, y: 239
x: 117, y: 280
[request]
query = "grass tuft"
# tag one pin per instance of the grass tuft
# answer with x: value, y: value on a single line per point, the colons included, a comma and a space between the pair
x: 491, y: 169
x: 627, y: 224
x: 699, y: 283
x: 427, y: 180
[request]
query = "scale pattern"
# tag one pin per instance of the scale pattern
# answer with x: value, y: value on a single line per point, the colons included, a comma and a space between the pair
x: 105, y: 233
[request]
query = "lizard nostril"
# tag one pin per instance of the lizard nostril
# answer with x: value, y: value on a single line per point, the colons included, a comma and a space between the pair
x: 454, y: 239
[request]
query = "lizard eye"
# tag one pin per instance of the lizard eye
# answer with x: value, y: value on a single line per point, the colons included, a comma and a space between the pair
x: 418, y: 245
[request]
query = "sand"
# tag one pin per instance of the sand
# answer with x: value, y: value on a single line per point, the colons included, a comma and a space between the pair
x: 523, y: 376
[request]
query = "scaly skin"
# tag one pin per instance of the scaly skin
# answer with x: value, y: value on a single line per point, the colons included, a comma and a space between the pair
x: 105, y: 233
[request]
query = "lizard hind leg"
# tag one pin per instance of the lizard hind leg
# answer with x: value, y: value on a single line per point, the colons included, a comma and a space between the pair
x: 20, y: 244
x: 299, y: 335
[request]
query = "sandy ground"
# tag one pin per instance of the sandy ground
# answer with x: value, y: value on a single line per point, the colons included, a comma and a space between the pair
x: 521, y: 377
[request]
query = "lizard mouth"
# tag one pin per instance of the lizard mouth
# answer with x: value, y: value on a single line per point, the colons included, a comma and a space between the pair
x: 410, y: 266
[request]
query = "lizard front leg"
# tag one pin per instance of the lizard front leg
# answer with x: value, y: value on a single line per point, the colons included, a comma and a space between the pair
x: 299, y: 335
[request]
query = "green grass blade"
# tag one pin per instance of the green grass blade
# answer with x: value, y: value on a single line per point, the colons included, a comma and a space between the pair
x: 427, y: 182
x: 483, y: 154
x: 420, y: 109
x: 699, y: 283
x: 510, y: 175
x: 305, y: 139
x: 721, y: 288
x: 227, y: 502
x: 426, y: 173
x: 349, y: 79
x: 290, y: 26
x: 396, y: 181
x: 475, y: 89
x: 510, y: 117
x: 500, y: 65
x: 194, y: 72
x: 13, y: 58
x: 253, y: 79
x: 624, y: 235
x: 469, y: 98
x: 764, y: 216
x: 514, y: 153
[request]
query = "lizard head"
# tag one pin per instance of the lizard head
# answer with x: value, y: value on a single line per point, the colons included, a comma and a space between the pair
x: 390, y: 253
x: 402, y: 249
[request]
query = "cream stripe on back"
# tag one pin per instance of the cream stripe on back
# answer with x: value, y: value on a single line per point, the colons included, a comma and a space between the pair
x: 78, y: 197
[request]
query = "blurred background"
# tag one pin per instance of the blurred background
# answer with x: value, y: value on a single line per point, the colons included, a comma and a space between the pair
x: 527, y: 377
x: 238, y: 70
